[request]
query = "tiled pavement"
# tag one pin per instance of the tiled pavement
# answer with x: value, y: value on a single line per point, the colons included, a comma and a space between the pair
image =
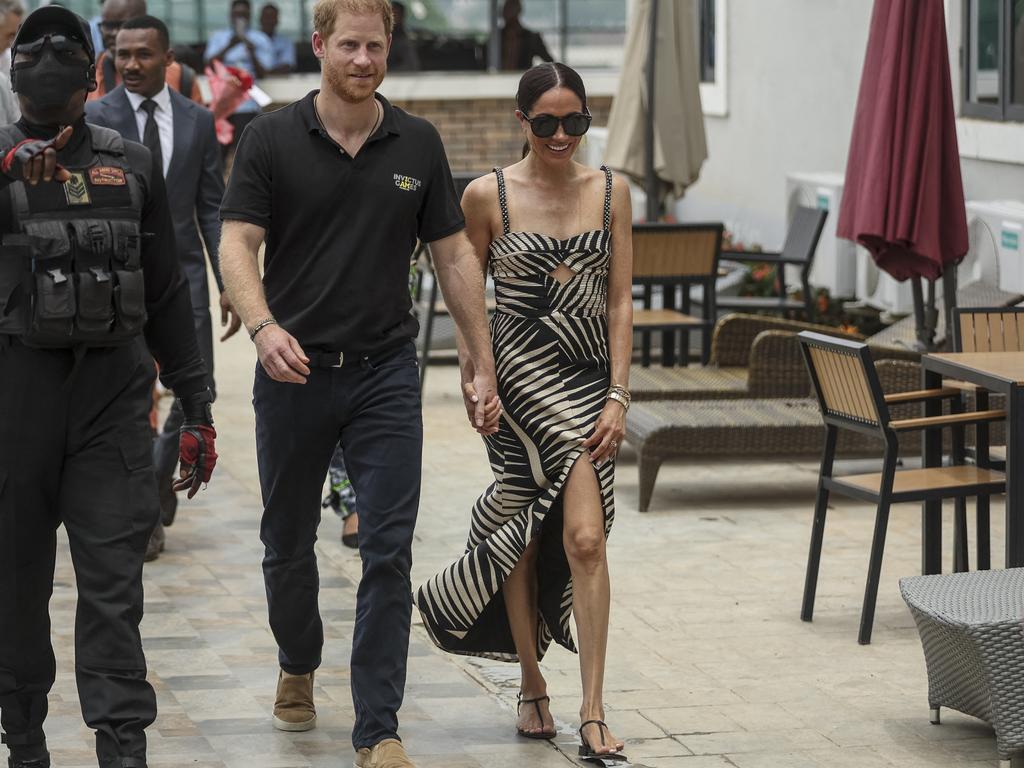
x: 709, y: 664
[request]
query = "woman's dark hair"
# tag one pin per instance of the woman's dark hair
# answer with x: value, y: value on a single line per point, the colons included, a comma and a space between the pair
x: 537, y: 80
x: 540, y: 79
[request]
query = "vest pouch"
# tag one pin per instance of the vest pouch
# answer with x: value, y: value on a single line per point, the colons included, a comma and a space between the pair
x: 53, y: 305
x: 15, y: 260
x: 129, y: 302
x: 127, y: 244
x: 95, y: 301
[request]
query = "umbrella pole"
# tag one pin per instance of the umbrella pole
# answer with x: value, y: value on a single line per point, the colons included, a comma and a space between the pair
x: 949, y: 285
x: 931, y: 317
x: 919, y: 321
x: 651, y: 180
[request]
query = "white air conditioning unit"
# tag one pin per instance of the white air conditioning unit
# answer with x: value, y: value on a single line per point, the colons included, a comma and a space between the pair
x: 996, y: 235
x: 835, y: 261
x: 880, y: 289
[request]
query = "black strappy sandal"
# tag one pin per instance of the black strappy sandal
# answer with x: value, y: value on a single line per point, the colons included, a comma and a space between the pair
x: 587, y: 752
x: 543, y: 735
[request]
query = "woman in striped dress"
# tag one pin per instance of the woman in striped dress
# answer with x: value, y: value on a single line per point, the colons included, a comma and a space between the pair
x: 562, y: 336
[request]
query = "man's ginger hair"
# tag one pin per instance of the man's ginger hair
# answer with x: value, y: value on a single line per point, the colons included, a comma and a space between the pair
x: 325, y: 13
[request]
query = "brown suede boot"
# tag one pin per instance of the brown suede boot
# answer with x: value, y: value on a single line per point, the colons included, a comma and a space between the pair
x: 293, y: 709
x: 387, y: 754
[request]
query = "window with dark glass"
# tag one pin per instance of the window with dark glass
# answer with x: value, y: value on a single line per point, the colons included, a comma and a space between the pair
x: 707, y: 41
x: 993, y: 59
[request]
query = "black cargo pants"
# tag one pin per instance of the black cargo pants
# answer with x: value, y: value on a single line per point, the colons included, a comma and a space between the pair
x: 76, y: 449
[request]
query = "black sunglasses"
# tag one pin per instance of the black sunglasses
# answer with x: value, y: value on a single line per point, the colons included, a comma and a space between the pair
x: 60, y: 43
x: 545, y: 126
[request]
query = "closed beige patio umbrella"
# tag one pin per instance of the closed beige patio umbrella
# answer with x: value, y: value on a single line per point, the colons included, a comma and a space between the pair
x: 677, y: 123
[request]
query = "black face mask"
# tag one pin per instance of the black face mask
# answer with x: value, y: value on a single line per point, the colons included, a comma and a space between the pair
x: 51, y: 79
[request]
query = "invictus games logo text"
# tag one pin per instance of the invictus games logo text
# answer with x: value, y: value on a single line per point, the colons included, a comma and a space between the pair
x: 407, y: 183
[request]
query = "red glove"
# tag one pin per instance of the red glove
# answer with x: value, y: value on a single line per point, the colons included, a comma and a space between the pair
x: 198, y: 457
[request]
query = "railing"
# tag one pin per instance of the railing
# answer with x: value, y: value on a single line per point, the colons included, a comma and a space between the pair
x: 449, y: 34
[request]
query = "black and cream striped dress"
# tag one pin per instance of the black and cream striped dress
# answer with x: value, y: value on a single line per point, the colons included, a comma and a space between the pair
x: 550, y: 342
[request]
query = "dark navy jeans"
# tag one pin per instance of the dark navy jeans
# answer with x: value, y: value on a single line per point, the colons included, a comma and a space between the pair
x: 372, y: 405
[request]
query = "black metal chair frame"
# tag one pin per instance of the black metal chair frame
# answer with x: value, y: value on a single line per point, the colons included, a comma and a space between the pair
x: 980, y: 454
x: 813, y: 219
x: 886, y: 430
x: 670, y: 285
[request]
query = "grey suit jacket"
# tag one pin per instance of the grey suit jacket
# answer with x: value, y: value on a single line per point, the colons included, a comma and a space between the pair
x: 195, y: 179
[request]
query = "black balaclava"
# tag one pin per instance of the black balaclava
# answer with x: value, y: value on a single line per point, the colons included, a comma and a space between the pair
x: 48, y: 81
x: 51, y: 79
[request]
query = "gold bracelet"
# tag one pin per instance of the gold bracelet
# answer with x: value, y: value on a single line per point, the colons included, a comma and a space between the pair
x: 619, y: 398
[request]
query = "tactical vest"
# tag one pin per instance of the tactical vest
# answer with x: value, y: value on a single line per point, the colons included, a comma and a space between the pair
x: 71, y: 270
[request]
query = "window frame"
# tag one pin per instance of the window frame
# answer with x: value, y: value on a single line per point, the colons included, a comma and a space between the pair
x: 714, y: 95
x: 1004, y: 110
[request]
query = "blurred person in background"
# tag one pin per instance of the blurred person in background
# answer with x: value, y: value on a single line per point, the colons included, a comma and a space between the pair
x: 181, y: 134
x: 243, y: 47
x: 94, y: 27
x: 519, y: 45
x: 284, y: 47
x: 180, y: 77
x: 402, y: 57
x: 11, y: 13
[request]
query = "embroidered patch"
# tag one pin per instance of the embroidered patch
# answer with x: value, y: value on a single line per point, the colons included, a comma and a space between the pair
x: 407, y: 183
x: 105, y: 176
x: 76, y: 190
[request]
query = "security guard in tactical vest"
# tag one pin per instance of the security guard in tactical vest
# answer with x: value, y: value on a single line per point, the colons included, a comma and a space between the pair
x: 87, y: 268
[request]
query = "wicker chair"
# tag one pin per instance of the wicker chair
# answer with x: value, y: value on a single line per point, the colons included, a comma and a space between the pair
x: 851, y: 398
x: 737, y: 429
x: 970, y: 627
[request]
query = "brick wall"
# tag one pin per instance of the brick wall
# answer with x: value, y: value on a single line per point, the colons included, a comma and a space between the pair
x: 479, y: 134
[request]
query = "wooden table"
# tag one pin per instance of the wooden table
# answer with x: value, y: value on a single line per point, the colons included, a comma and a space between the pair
x: 1000, y: 372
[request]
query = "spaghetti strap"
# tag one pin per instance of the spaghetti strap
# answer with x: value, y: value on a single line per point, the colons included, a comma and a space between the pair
x: 502, y: 201
x: 607, y: 196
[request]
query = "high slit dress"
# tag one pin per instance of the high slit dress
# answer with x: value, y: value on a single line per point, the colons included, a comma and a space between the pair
x: 550, y: 341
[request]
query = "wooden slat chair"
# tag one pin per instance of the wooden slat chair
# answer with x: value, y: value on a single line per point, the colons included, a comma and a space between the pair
x: 850, y: 397
x: 982, y: 329
x: 798, y: 251
x: 673, y: 256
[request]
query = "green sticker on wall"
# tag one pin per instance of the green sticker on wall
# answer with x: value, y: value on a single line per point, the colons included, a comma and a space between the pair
x: 1011, y: 240
x: 822, y: 202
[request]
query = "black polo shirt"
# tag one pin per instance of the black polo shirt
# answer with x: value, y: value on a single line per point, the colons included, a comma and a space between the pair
x: 340, y: 229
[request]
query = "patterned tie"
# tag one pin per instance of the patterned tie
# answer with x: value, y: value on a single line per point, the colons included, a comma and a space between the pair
x: 151, y: 135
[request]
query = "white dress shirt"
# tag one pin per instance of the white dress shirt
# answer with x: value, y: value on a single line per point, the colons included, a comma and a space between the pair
x: 164, y: 121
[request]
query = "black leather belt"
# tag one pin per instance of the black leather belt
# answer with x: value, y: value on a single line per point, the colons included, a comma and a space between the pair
x: 325, y: 359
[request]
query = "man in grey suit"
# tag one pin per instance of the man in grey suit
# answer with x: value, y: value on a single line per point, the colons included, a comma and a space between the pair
x: 182, y: 135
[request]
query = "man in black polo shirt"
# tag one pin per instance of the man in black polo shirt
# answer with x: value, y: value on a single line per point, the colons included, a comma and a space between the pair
x: 340, y: 186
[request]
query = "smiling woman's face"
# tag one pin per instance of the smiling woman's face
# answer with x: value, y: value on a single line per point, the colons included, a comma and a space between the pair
x: 560, y: 147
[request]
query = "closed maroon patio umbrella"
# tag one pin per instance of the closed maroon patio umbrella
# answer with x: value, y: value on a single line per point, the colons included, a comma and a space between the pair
x: 903, y: 198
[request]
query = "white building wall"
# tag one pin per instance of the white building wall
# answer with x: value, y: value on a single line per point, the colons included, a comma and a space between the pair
x: 793, y: 79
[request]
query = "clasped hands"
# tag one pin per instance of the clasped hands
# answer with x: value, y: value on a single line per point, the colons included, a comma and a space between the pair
x: 480, y: 395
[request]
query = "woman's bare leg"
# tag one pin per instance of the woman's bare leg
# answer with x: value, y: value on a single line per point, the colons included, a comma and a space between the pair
x: 520, y: 591
x: 584, y: 540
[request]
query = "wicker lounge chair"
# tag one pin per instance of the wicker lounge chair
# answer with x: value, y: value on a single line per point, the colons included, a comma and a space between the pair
x: 752, y: 356
x: 970, y: 626
x: 780, y: 428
